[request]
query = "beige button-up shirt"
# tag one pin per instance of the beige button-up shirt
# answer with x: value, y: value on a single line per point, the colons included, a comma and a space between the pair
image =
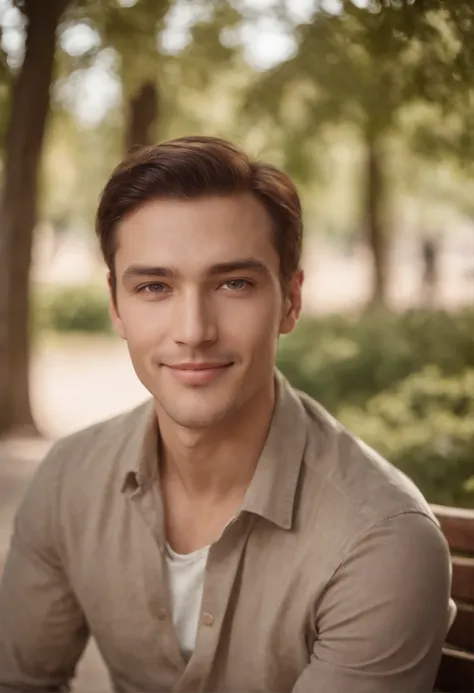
x: 334, y: 577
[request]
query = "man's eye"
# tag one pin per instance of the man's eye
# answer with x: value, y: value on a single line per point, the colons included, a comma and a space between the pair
x: 155, y: 288
x: 237, y: 284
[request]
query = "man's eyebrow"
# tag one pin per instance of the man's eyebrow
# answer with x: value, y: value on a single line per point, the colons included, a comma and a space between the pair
x: 147, y: 271
x: 238, y: 265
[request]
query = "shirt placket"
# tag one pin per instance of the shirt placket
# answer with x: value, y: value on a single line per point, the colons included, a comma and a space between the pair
x: 222, y: 567
x: 149, y: 508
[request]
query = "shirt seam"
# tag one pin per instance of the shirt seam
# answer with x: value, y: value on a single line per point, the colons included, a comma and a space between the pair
x: 352, y: 542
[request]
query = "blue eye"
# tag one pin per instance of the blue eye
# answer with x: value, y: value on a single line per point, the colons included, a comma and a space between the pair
x: 155, y: 288
x: 237, y: 284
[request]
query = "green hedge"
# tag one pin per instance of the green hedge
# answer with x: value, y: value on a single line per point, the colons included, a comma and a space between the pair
x: 425, y: 426
x: 72, y: 309
x: 404, y: 384
x: 348, y: 359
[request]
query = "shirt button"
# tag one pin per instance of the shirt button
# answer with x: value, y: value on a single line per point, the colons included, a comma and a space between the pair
x: 161, y: 613
x: 208, y: 619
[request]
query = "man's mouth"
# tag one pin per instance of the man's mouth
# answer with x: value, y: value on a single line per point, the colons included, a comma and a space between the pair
x: 198, y: 373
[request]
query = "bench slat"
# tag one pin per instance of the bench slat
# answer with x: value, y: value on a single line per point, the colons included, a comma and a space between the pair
x: 463, y: 579
x: 456, y: 672
x: 461, y: 633
x: 458, y: 527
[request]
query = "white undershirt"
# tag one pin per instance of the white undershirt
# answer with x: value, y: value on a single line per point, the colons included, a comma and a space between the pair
x: 186, y: 584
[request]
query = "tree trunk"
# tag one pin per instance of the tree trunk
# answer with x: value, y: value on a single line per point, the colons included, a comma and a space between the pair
x: 18, y: 209
x: 142, y: 113
x: 377, y: 239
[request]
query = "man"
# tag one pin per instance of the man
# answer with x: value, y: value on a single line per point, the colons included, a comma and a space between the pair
x: 228, y: 535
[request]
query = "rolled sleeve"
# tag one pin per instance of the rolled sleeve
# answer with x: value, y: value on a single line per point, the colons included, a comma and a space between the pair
x: 42, y: 629
x: 384, y: 617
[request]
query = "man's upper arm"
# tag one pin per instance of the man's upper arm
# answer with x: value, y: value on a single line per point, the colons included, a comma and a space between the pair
x: 42, y: 629
x: 384, y: 617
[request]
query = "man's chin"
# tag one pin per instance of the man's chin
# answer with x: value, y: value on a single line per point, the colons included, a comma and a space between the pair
x: 190, y: 411
x: 196, y: 423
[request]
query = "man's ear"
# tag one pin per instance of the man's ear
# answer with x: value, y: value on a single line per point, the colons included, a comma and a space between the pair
x: 292, y: 303
x: 113, y: 310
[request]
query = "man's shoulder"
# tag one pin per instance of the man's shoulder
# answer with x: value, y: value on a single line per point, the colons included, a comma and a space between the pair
x: 361, y: 487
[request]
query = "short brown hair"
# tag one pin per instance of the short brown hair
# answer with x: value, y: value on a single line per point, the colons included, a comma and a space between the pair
x: 192, y: 167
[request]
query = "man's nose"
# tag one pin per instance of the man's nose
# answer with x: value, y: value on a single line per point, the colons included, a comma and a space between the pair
x: 194, y: 319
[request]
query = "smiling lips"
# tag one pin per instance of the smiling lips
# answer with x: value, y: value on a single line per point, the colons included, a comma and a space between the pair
x: 198, y: 373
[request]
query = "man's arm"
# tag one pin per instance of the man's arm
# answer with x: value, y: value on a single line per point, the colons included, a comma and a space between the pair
x: 384, y: 617
x: 42, y: 629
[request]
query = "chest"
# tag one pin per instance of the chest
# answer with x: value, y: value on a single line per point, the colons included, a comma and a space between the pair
x: 254, y: 608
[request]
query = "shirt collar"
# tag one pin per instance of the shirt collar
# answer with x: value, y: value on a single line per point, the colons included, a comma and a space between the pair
x: 272, y: 491
x: 139, y: 452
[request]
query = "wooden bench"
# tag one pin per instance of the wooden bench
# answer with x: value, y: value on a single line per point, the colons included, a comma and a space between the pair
x: 456, y: 672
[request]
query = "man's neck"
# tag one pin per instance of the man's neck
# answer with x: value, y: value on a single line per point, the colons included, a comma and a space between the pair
x: 216, y: 463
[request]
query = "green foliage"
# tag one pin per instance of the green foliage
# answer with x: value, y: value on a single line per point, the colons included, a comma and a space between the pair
x: 425, y: 426
x: 72, y: 309
x: 403, y: 383
x: 366, y: 66
x: 129, y: 40
x: 352, y: 67
x: 341, y: 360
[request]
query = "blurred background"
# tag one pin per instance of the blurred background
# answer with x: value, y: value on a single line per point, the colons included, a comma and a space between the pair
x: 369, y: 105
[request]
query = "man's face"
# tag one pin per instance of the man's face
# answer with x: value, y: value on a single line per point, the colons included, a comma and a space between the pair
x: 200, y: 304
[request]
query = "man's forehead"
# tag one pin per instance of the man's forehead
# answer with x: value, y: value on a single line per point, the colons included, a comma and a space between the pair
x: 232, y: 209
x: 155, y: 238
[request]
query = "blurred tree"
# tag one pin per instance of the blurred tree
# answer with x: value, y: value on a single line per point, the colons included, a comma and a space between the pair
x: 203, y: 82
x: 132, y: 33
x: 18, y: 203
x: 129, y: 33
x: 154, y: 83
x: 364, y: 65
x: 157, y: 82
x: 142, y: 115
x: 444, y: 79
x: 5, y: 88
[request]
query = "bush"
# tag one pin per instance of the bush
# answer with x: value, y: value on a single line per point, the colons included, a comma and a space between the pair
x: 73, y: 309
x: 340, y: 360
x: 425, y: 426
x: 404, y: 383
